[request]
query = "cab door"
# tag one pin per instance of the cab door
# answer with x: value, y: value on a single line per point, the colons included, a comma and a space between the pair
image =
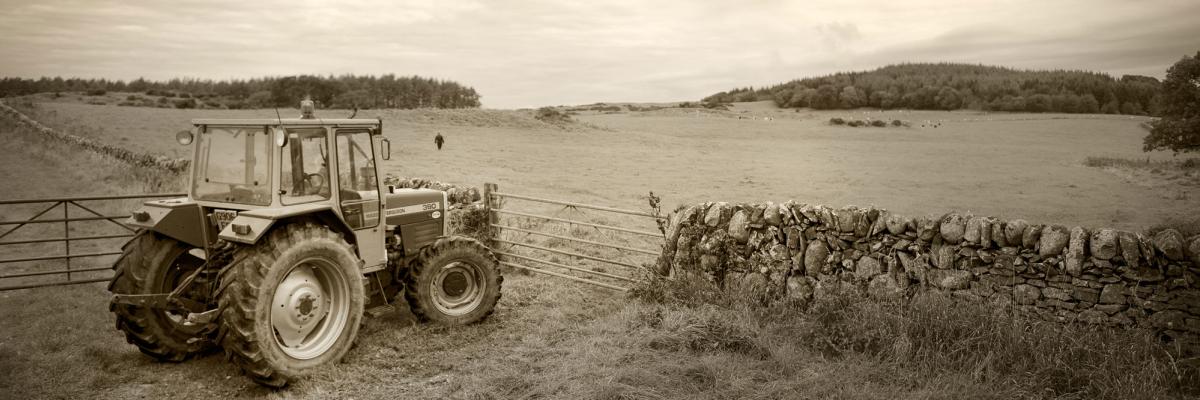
x: 358, y: 194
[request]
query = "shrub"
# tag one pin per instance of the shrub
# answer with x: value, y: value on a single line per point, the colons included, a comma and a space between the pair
x: 837, y: 121
x: 551, y: 114
x: 96, y: 92
x: 185, y: 96
x: 878, y: 123
x: 896, y: 122
x: 186, y: 103
x: 856, y: 123
x: 131, y: 97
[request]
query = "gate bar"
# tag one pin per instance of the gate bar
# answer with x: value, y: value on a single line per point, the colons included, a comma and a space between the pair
x: 58, y: 272
x: 73, y: 239
x: 569, y: 221
x: 565, y: 276
x: 566, y: 253
x: 553, y: 264
x: 86, y: 198
x: 581, y: 205
x: 59, y: 257
x: 653, y: 253
x: 112, y: 218
x: 62, y: 283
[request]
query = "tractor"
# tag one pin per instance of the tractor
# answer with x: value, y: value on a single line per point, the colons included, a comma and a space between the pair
x: 285, y: 239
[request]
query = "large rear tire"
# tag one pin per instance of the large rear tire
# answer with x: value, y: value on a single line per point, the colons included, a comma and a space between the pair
x: 152, y: 264
x: 454, y: 281
x: 290, y: 304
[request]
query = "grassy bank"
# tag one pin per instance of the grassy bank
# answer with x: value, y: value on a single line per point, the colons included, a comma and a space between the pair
x: 681, y: 340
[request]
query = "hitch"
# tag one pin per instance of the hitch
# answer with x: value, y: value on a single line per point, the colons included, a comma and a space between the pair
x: 166, y: 301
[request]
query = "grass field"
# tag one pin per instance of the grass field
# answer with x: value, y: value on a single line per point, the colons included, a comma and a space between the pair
x: 551, y: 339
x: 1028, y: 166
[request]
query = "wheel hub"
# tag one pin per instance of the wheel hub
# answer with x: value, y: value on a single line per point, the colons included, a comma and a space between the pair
x: 458, y: 288
x: 455, y: 284
x: 299, y: 306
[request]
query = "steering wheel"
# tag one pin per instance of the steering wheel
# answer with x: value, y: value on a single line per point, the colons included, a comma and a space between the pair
x: 313, y: 183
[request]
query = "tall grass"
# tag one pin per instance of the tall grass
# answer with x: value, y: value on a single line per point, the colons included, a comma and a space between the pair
x: 930, y: 343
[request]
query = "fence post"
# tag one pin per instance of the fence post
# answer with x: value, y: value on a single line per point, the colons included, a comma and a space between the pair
x: 67, y: 235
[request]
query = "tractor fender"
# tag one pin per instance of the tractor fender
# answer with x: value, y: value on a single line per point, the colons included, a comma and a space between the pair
x: 260, y: 221
x: 174, y: 218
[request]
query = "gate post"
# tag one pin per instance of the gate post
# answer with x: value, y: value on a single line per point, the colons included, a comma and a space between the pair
x: 489, y: 203
x: 67, y: 235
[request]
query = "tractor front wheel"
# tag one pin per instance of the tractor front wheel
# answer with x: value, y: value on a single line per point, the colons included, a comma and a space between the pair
x: 290, y: 304
x: 454, y: 281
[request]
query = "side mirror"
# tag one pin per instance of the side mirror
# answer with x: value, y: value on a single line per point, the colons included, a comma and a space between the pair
x: 280, y: 136
x: 385, y: 147
x: 185, y: 137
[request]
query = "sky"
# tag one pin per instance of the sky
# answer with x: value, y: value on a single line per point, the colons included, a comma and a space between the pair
x: 559, y: 52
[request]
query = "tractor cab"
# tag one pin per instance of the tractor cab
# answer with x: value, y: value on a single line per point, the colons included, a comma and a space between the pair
x: 248, y: 174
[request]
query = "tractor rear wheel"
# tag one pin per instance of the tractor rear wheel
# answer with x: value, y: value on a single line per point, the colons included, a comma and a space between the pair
x: 290, y: 304
x: 454, y: 281
x: 152, y: 264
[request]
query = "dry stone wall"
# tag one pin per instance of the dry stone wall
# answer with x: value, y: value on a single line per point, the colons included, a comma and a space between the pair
x: 455, y: 194
x: 1101, y: 276
x: 119, y: 153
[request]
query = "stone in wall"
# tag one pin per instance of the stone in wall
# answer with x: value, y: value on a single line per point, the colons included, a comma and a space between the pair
x: 1170, y: 243
x: 953, y: 228
x: 1104, y: 244
x: 1075, y: 255
x: 1193, y: 250
x: 1053, y: 240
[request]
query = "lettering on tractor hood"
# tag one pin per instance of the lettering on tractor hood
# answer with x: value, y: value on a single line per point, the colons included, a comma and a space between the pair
x: 413, y: 209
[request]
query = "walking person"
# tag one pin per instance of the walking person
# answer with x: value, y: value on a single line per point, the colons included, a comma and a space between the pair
x: 438, y: 140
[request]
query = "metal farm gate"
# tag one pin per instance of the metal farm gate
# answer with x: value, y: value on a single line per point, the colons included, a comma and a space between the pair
x: 591, y: 241
x: 597, y: 245
x: 32, y: 253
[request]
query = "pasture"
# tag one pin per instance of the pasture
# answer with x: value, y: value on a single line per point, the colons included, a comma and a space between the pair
x: 552, y: 339
x: 1027, y: 166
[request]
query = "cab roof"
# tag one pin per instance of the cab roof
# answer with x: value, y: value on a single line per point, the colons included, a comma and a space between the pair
x: 289, y: 122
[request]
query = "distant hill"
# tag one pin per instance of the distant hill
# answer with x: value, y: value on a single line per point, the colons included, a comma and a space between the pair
x: 345, y: 91
x: 946, y: 86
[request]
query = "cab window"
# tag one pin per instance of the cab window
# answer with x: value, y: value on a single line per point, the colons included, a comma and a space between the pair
x: 304, y: 172
x: 232, y: 166
x: 357, y: 183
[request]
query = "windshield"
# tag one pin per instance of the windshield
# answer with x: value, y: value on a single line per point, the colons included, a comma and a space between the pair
x: 232, y: 166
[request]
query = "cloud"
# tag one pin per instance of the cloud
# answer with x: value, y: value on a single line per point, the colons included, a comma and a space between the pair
x: 538, y: 52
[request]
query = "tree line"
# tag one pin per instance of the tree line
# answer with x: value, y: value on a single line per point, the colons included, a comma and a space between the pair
x: 345, y: 91
x: 948, y: 86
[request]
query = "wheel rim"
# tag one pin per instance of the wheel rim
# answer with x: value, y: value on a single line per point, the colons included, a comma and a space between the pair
x: 458, y: 288
x: 181, y: 266
x: 309, y: 308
